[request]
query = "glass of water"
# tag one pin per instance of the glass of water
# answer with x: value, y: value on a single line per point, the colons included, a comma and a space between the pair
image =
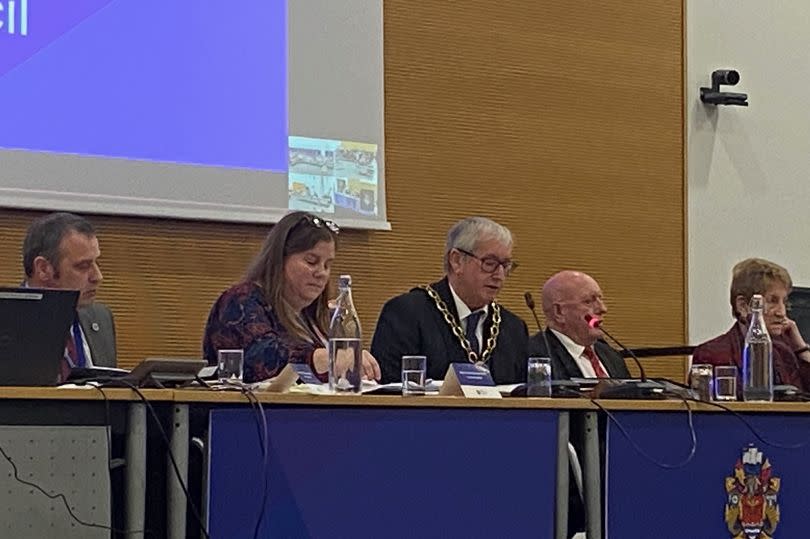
x: 413, y: 375
x: 538, y: 377
x: 725, y: 383
x: 700, y: 380
x: 230, y: 364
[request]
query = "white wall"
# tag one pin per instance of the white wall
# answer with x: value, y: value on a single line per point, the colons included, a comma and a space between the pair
x: 748, y: 168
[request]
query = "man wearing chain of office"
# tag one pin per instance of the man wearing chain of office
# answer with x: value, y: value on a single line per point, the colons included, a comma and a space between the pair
x: 457, y: 319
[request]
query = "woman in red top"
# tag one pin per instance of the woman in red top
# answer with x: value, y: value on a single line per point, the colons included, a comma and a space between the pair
x: 791, y: 354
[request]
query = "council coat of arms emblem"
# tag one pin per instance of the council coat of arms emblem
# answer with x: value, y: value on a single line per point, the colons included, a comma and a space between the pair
x: 752, y: 507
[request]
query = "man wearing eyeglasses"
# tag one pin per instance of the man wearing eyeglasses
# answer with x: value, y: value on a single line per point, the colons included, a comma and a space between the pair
x: 458, y: 319
x: 570, y: 300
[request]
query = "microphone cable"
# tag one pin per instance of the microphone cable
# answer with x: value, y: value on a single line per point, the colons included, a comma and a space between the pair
x: 750, y: 427
x: 167, y: 441
x: 597, y: 323
x: 637, y: 448
x: 264, y: 446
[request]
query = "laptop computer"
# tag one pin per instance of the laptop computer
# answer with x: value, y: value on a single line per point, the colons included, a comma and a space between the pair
x: 34, y: 325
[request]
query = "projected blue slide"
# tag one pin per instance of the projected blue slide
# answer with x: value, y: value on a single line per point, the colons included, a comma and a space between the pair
x: 185, y: 81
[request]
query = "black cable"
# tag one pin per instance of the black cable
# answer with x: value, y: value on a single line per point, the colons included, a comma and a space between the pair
x: 107, y: 419
x: 751, y: 427
x: 636, y: 447
x: 59, y: 496
x: 693, y: 434
x: 664, y: 465
x: 165, y: 437
x: 265, y: 449
x: 62, y: 497
x: 261, y: 434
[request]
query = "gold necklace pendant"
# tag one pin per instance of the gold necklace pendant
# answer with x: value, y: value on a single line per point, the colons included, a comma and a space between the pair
x: 455, y: 327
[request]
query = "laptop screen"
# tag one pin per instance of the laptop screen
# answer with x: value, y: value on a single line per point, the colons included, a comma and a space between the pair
x: 34, y: 325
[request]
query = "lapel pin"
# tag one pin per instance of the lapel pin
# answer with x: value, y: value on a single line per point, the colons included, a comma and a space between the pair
x: 94, y: 325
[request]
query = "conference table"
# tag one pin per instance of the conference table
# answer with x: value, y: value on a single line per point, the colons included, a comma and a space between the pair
x: 432, y: 466
x: 424, y: 465
x: 747, y: 473
x: 371, y: 466
x: 313, y: 465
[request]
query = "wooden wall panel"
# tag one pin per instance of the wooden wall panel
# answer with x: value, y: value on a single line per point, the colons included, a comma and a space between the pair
x: 561, y: 119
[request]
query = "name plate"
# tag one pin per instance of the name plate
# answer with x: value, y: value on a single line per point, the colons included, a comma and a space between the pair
x: 468, y: 380
x: 305, y: 374
x: 290, y: 374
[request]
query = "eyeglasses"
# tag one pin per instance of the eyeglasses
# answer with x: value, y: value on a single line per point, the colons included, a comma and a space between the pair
x: 317, y: 222
x: 490, y: 264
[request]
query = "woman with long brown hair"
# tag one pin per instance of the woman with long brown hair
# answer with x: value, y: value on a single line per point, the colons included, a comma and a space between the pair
x: 279, y: 313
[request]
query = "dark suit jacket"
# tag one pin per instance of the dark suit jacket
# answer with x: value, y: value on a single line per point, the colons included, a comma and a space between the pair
x: 564, y: 367
x: 411, y: 324
x: 99, y: 329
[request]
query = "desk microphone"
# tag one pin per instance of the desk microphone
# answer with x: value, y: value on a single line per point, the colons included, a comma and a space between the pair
x: 530, y: 304
x: 559, y: 388
x: 595, y: 322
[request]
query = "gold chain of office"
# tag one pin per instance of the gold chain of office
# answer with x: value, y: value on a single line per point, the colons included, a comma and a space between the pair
x: 459, y: 333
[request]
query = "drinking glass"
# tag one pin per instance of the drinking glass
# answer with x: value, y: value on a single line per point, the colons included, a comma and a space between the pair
x: 538, y: 377
x: 413, y: 375
x: 700, y: 380
x: 230, y: 364
x: 725, y: 383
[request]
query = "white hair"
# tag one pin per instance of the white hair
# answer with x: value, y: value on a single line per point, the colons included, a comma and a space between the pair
x: 469, y: 232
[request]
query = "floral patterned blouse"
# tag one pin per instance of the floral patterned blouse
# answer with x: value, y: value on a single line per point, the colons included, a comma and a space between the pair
x: 241, y: 318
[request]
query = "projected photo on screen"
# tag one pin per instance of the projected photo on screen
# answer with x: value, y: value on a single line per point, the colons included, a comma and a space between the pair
x: 333, y: 176
x: 192, y: 109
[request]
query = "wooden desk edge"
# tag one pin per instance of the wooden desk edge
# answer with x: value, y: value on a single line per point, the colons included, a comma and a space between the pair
x: 200, y: 396
x: 679, y: 406
x: 84, y: 393
x: 232, y: 397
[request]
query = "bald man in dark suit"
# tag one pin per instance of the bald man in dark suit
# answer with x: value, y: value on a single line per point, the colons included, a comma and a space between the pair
x: 570, y: 300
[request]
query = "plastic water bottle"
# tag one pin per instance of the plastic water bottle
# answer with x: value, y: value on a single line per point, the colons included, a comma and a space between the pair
x: 757, y: 357
x: 345, y: 342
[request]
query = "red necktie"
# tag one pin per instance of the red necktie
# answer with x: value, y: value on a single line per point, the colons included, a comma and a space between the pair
x: 70, y: 349
x: 70, y: 352
x: 594, y: 359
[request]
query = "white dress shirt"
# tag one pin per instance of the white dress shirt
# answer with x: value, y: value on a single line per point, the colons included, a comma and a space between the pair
x: 577, y: 352
x: 464, y: 312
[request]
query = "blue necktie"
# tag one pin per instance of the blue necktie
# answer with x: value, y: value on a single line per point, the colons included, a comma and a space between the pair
x: 472, y: 324
x: 80, y: 360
